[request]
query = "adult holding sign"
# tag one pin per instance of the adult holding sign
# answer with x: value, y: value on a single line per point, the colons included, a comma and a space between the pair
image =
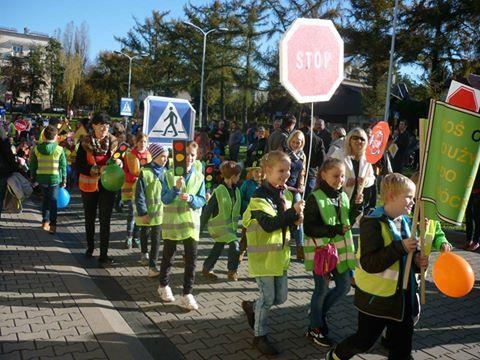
x: 359, y: 175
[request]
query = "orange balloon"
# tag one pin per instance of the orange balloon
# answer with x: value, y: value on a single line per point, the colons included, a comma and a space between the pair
x: 453, y: 275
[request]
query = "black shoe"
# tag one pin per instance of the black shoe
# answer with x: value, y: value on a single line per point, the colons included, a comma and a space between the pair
x: 106, y: 261
x: 316, y: 336
x: 262, y: 344
x: 247, y: 306
x: 89, y: 253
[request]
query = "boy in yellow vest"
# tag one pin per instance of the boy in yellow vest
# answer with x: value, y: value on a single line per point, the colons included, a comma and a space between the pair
x: 183, y: 198
x: 383, y: 248
x: 48, y: 167
x: 221, y: 215
x: 148, y: 207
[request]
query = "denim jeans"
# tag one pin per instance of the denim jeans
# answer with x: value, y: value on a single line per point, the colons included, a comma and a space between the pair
x: 233, y: 254
x: 310, y: 185
x: 155, y: 234
x: 132, y: 228
x: 273, y: 291
x: 49, y: 203
x: 296, y: 232
x: 323, y: 298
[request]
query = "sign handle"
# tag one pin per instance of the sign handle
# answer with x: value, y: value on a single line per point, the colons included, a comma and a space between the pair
x: 417, y: 213
x: 421, y: 133
x: 309, y: 150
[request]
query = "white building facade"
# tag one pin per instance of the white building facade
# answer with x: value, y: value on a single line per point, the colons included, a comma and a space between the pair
x: 14, y: 43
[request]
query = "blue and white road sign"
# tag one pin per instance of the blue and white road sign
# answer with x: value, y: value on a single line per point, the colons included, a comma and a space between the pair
x: 166, y: 119
x: 126, y: 107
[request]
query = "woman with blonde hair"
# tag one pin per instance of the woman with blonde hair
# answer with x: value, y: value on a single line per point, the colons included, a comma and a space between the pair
x: 296, y: 181
x: 359, y: 176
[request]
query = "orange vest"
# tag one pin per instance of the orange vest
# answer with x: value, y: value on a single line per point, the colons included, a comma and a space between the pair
x: 89, y: 183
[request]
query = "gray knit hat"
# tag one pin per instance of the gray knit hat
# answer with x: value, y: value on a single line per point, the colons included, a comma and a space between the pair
x: 156, y: 149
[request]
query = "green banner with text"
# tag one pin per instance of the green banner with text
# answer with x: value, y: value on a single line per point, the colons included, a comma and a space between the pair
x: 451, y: 161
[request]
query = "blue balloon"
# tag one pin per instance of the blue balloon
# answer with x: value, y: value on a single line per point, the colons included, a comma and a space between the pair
x: 63, y: 198
x: 216, y: 161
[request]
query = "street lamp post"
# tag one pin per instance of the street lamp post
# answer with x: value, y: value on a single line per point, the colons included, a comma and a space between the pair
x: 205, y: 33
x: 130, y: 58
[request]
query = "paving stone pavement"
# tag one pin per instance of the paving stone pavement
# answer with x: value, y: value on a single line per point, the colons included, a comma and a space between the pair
x: 54, y: 303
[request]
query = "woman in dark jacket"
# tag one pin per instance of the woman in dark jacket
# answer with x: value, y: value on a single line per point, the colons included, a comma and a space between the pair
x: 93, y: 154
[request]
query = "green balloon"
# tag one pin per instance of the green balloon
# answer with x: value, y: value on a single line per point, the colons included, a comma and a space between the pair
x: 112, y: 177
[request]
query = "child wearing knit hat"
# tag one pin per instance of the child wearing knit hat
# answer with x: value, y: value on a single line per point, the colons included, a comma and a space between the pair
x: 148, y: 204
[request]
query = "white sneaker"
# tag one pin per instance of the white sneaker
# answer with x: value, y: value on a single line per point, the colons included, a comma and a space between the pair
x: 189, y: 302
x: 166, y: 293
x: 153, y: 272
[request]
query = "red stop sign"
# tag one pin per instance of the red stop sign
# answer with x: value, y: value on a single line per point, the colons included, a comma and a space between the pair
x: 311, y: 60
x: 464, y: 97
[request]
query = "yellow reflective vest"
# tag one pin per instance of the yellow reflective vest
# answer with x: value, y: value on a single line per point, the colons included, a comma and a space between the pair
x: 383, y: 283
x: 344, y: 244
x: 180, y: 221
x: 223, y: 227
x: 268, y: 255
x: 153, y: 197
x: 49, y: 164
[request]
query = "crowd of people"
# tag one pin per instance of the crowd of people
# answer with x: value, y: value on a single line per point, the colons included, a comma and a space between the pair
x: 313, y: 187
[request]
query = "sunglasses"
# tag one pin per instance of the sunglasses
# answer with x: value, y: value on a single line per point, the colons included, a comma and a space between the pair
x: 357, y: 138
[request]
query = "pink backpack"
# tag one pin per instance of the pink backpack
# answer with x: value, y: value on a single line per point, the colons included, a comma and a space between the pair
x: 325, y: 259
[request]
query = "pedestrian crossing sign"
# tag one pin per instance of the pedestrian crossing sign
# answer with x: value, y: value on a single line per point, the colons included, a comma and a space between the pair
x: 166, y: 119
x: 126, y: 107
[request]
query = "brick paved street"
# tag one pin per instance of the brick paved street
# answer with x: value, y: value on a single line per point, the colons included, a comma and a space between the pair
x: 54, y: 303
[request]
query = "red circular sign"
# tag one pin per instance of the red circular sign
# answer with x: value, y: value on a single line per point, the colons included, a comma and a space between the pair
x: 311, y: 60
x: 377, y: 142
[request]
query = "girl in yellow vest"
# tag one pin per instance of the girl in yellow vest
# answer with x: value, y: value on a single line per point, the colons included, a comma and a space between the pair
x: 134, y: 159
x: 183, y: 198
x: 222, y: 213
x: 48, y: 167
x: 327, y: 220
x: 148, y: 205
x: 267, y: 219
x: 379, y: 296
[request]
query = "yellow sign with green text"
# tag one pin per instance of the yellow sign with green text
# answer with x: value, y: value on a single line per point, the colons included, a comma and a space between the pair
x: 451, y: 161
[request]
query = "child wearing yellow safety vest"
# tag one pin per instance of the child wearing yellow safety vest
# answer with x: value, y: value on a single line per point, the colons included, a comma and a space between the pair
x: 133, y: 160
x: 183, y: 198
x: 48, y: 167
x: 221, y: 214
x: 327, y: 220
x: 434, y: 239
x: 379, y: 296
x: 267, y: 219
x: 148, y: 205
